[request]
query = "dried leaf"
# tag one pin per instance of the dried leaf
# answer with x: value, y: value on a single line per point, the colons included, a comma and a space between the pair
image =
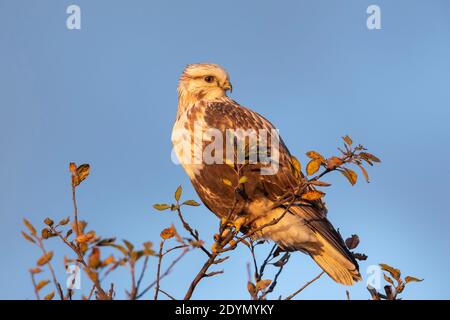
x: 178, y: 193
x: 351, y: 176
x: 45, y: 258
x: 360, y: 256
x: 352, y: 242
x: 409, y: 279
x: 94, y: 258
x: 319, y: 183
x: 366, y: 175
x: 83, y: 172
x: 297, y: 167
x: 48, y: 221
x: 191, y: 203
x: 313, y: 166
x: 35, y: 270
x: 348, y: 140
x: 168, y: 233
x: 369, y: 156
x: 395, y: 273
x: 129, y: 245
x: 29, y: 226
x: 63, y: 222
x: 27, y: 237
x: 251, y: 289
x: 388, y: 279
x: 333, y: 162
x: 263, y: 284
x: 161, y: 206
x: 315, y: 156
x: 49, y: 296
x: 42, y: 284
x: 83, y: 238
x: 312, y: 195
x: 93, y: 275
x: 73, y: 168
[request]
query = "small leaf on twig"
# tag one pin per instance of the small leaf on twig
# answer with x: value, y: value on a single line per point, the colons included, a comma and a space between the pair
x: 49, y: 296
x: 48, y: 221
x: 29, y: 226
x: 263, y: 284
x: 161, y: 206
x: 409, y: 279
x: 352, y: 242
x: 191, y: 203
x: 42, y: 284
x: 351, y: 176
x: 243, y: 179
x: 313, y: 166
x: 178, y: 193
x: 168, y: 232
x: 27, y: 237
x: 315, y: 156
x: 395, y: 273
x: 348, y: 140
x: 45, y: 258
x: 313, y: 195
x: 333, y: 162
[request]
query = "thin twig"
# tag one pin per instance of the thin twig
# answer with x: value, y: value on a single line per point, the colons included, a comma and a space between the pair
x: 163, y: 275
x: 306, y: 285
x: 158, y: 272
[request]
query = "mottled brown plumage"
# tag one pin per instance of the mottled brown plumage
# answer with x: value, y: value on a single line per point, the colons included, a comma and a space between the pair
x: 305, y: 228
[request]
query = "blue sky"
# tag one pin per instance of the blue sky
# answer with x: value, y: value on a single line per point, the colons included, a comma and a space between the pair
x: 106, y: 95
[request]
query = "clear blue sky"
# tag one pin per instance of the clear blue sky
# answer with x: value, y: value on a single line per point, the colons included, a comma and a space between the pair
x: 106, y: 95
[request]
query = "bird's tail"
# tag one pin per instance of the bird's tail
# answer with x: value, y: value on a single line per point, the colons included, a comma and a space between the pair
x: 336, y: 261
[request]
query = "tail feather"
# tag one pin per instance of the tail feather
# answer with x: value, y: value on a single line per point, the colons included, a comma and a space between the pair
x: 339, y: 266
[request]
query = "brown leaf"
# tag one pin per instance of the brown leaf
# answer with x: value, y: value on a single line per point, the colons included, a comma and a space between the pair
x: 312, y: 195
x: 313, y: 166
x: 27, y: 237
x: 48, y: 221
x: 129, y: 245
x: 35, y: 270
x: 388, y: 279
x: 49, y: 296
x: 161, y: 206
x: 45, y: 258
x: 42, y: 284
x: 333, y: 162
x: 409, y: 279
x: 83, y: 238
x: 352, y: 242
x: 369, y: 156
x: 319, y: 183
x: 168, y: 232
x: 178, y: 193
x: 351, y: 175
x: 366, y: 175
x: 360, y: 256
x: 63, y: 222
x: 395, y: 273
x: 191, y: 203
x: 29, y: 226
x: 94, y: 258
x: 348, y: 140
x: 263, y: 284
x: 83, y: 171
x: 251, y: 289
x: 315, y: 156
x: 297, y: 167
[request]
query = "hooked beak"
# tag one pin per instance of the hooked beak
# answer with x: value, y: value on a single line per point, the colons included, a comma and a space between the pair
x: 228, y: 87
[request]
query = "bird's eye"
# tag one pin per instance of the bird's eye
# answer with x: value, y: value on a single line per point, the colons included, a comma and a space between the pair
x: 209, y: 79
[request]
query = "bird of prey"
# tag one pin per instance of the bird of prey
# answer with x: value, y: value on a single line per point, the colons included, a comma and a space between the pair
x: 203, y: 102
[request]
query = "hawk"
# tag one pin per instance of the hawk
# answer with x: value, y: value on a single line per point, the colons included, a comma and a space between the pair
x: 204, y: 107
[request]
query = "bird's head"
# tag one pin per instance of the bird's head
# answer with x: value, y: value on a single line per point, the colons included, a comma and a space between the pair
x: 202, y: 81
